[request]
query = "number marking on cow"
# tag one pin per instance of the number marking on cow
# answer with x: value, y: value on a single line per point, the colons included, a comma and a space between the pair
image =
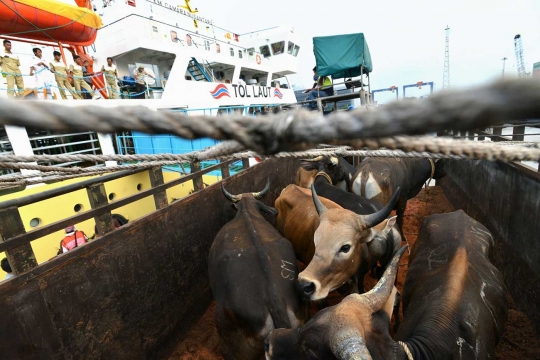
x: 287, y: 273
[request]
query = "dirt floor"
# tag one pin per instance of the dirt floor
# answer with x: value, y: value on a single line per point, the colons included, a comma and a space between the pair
x: 519, y: 340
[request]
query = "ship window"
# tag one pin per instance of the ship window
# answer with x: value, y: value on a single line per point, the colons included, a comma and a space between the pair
x: 240, y: 54
x: 35, y: 222
x: 250, y: 51
x: 265, y: 50
x: 232, y: 52
x: 252, y: 76
x: 77, y: 207
x: 296, y: 50
x: 278, y: 48
x: 290, y: 48
x: 112, y: 196
x: 154, y: 29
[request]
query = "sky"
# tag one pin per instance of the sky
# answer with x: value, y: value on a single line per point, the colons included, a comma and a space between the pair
x: 406, y: 38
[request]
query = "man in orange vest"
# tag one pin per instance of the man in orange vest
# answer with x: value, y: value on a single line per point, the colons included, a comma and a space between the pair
x: 72, y: 239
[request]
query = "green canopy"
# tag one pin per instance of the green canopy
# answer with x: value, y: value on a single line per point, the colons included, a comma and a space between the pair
x: 341, y: 56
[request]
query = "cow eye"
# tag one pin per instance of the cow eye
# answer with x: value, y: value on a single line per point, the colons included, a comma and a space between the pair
x: 345, y: 248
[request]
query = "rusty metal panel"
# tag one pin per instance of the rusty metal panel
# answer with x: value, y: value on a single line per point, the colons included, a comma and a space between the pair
x: 156, y: 178
x: 197, y: 181
x: 21, y: 258
x: 98, y: 197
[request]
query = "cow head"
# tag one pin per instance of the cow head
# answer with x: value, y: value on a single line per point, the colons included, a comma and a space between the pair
x: 252, y: 198
x: 328, y: 165
x: 341, y: 331
x: 340, y: 241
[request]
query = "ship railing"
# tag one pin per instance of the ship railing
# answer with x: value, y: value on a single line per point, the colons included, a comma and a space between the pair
x: 65, y: 144
x: 16, y: 241
x: 522, y: 131
x: 142, y: 143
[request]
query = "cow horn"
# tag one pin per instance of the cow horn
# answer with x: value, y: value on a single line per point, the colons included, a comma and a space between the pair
x: 376, y: 218
x: 318, y: 158
x: 318, y: 204
x: 264, y: 191
x: 349, y: 345
x: 377, y: 297
x: 228, y: 195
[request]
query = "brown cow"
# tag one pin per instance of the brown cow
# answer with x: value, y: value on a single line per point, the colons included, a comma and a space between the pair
x: 337, y: 239
x: 454, y: 305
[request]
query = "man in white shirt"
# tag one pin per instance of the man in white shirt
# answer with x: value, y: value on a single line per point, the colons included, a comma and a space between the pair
x: 41, y: 74
x: 140, y: 83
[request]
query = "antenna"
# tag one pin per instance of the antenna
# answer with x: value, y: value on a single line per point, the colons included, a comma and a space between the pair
x: 520, y: 61
x: 504, y: 63
x: 446, y: 74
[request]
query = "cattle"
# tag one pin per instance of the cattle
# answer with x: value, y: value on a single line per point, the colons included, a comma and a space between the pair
x: 304, y: 178
x: 253, y: 274
x: 340, y: 169
x: 330, y: 240
x: 454, y: 305
x: 385, y: 245
x: 378, y: 178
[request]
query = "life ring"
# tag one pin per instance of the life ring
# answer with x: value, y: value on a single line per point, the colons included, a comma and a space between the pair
x: 258, y: 59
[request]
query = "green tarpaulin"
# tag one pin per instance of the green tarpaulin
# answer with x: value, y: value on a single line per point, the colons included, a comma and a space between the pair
x: 341, y: 56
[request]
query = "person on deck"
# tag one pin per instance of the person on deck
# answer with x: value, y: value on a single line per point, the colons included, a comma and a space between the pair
x: 317, y: 91
x: 41, y: 75
x: 140, y: 84
x: 10, y: 68
x: 87, y: 77
x: 111, y: 76
x: 59, y: 69
x: 77, y: 73
x: 73, y: 239
x: 7, y: 268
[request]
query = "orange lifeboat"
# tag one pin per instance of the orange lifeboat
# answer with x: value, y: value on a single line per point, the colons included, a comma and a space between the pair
x: 49, y: 20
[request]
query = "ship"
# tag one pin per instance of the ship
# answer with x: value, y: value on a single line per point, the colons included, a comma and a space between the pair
x: 196, y: 67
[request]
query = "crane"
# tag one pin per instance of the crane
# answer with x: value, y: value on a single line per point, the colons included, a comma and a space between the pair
x: 520, y: 59
x: 446, y: 73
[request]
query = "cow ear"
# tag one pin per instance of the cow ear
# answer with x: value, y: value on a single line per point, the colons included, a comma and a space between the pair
x: 390, y: 223
x: 308, y: 165
x: 387, y: 227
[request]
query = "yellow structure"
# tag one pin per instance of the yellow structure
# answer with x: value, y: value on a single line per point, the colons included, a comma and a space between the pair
x: 61, y: 207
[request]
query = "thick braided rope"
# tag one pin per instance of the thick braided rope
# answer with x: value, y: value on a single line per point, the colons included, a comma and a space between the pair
x: 425, y: 147
x: 508, y: 100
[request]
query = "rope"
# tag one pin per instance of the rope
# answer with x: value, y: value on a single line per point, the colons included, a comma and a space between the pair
x: 406, y: 349
x: 420, y: 147
x: 298, y: 130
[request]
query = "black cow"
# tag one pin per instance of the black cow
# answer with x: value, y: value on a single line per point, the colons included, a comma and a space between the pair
x: 253, y: 275
x: 454, y: 305
x: 378, y: 178
x: 385, y: 243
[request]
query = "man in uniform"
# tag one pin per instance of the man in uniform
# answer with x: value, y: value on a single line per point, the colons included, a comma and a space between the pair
x: 10, y: 67
x: 39, y: 68
x: 60, y: 75
x: 77, y: 73
x: 111, y: 75
x: 140, y: 84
